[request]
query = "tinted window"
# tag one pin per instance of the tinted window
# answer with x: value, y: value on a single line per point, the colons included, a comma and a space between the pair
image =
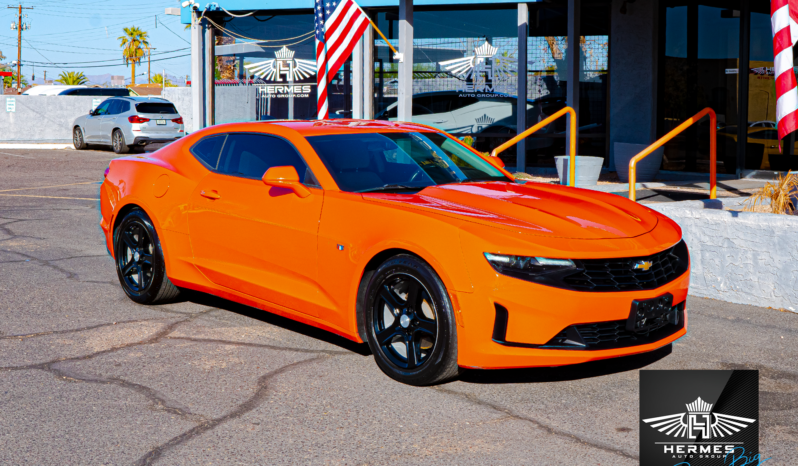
x: 113, y: 109
x: 373, y: 161
x: 155, y: 107
x: 207, y: 150
x: 122, y: 106
x: 102, y: 109
x: 460, y: 102
x: 250, y: 155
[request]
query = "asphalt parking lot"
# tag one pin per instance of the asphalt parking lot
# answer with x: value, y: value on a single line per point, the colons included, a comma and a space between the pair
x: 89, y: 377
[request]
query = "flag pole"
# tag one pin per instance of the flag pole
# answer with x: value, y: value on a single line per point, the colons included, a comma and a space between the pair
x: 383, y: 36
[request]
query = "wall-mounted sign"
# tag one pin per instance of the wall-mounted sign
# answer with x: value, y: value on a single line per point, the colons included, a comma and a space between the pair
x: 11, y: 104
x: 95, y: 103
x: 477, y: 74
x: 284, y: 67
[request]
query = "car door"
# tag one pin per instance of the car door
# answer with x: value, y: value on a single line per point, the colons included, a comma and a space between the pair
x: 256, y: 239
x: 108, y: 122
x: 93, y: 125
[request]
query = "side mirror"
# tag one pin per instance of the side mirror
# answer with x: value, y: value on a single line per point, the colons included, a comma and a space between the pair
x: 285, y: 177
x: 496, y: 161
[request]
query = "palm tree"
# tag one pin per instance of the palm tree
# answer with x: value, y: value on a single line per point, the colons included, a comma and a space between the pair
x: 133, y: 44
x: 158, y: 79
x: 71, y: 78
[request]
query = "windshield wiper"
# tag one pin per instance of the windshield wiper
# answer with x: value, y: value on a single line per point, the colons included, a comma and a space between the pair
x: 391, y: 187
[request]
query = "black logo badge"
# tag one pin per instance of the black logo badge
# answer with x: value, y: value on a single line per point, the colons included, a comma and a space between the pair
x: 698, y: 418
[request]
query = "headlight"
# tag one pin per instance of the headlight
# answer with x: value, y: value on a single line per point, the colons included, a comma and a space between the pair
x: 529, y: 268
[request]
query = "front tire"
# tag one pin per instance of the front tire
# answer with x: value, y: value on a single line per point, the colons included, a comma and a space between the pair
x: 118, y: 142
x: 77, y: 139
x: 410, y: 323
x: 139, y: 261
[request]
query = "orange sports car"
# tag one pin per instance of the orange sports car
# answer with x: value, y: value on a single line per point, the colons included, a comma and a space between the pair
x: 401, y: 236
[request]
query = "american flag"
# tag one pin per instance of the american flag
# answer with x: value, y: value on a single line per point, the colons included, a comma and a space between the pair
x: 784, y: 19
x: 339, y: 26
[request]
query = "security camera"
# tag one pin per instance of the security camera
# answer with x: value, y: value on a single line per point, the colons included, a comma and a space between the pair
x: 185, y: 4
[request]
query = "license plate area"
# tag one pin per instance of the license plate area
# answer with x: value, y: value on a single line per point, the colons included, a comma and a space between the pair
x: 160, y: 122
x: 652, y: 314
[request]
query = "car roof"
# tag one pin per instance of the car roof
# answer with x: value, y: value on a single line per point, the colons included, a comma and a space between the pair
x: 348, y: 125
x: 141, y: 99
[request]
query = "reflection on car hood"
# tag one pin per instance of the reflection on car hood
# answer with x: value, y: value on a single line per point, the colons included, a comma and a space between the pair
x: 532, y: 208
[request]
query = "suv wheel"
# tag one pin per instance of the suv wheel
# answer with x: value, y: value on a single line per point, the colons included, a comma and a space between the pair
x: 77, y: 138
x: 118, y: 142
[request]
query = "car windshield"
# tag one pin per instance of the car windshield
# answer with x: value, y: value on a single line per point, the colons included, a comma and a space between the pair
x: 399, y: 161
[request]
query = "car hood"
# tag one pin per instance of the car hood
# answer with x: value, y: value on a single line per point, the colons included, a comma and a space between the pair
x: 532, y: 208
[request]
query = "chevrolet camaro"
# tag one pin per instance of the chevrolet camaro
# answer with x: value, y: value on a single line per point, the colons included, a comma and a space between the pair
x: 397, y: 235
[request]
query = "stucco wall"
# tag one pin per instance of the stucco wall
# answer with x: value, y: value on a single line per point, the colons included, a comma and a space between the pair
x: 40, y: 118
x: 234, y: 103
x: 739, y: 257
x: 633, y: 74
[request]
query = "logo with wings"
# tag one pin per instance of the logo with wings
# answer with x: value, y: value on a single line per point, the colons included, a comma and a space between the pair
x: 700, y: 419
x: 477, y: 64
x: 283, y: 65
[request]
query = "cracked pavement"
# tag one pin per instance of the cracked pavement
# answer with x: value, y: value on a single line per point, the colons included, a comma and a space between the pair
x: 89, y: 377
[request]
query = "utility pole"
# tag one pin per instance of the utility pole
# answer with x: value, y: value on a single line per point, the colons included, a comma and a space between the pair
x: 149, y: 51
x: 20, y: 26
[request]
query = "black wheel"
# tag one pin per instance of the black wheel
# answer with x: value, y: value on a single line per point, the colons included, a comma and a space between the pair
x: 139, y: 261
x: 77, y: 138
x: 118, y: 142
x: 409, y: 322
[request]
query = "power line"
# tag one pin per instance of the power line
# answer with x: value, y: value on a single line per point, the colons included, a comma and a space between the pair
x: 46, y: 65
x: 173, y: 32
x: 102, y: 61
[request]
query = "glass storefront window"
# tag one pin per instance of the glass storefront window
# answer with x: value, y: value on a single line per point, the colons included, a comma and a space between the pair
x: 280, y: 59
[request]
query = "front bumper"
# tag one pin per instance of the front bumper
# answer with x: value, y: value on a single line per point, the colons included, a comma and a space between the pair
x: 537, y: 313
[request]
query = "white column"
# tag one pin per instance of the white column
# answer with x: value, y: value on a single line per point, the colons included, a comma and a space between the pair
x: 210, y: 76
x: 357, y: 80
x: 368, y: 74
x: 405, y: 100
x: 574, y: 61
x: 197, y: 75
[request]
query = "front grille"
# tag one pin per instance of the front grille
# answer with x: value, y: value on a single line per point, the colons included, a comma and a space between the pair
x: 613, y: 334
x: 621, y: 275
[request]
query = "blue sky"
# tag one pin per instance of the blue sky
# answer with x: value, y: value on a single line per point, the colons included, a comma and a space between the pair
x: 81, y: 35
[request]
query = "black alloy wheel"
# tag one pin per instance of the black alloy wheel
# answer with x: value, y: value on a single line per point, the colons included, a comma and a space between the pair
x: 118, y: 142
x: 139, y: 260
x: 410, y: 324
x: 77, y: 139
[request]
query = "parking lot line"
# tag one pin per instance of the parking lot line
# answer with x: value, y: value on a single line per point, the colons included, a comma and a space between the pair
x: 54, y: 186
x: 15, y: 155
x: 52, y: 197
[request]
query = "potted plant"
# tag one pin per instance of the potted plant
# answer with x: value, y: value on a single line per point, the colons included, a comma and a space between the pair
x: 587, y: 171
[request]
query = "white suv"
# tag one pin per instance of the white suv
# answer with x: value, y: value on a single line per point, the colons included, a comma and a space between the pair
x: 125, y: 122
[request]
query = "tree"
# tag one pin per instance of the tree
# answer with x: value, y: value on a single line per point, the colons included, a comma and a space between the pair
x: 133, y: 44
x: 8, y: 80
x: 158, y: 79
x: 71, y: 78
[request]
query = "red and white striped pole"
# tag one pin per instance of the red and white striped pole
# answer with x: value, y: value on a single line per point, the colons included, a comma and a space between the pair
x: 784, y: 19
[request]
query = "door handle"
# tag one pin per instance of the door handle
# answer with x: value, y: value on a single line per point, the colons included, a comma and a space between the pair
x: 210, y: 195
x: 440, y: 121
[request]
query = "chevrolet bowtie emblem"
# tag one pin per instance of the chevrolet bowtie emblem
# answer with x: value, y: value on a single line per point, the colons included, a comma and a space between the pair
x: 643, y: 265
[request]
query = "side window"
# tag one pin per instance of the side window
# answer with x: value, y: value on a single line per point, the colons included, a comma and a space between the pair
x: 113, y: 109
x: 123, y: 106
x: 102, y: 109
x: 251, y: 155
x: 208, y: 149
x: 461, y: 102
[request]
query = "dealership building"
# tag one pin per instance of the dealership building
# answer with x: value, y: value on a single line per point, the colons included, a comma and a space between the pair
x: 488, y: 69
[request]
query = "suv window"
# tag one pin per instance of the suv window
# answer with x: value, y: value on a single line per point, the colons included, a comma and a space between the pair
x: 251, y: 155
x: 113, y: 109
x: 102, y: 109
x: 122, y: 106
x: 155, y: 107
x: 208, y: 149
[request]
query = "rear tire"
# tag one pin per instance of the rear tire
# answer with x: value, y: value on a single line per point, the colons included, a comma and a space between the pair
x: 118, y: 142
x: 410, y: 324
x: 139, y: 261
x: 77, y: 139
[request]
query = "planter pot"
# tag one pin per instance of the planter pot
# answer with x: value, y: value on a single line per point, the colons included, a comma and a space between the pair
x: 647, y: 168
x: 588, y: 169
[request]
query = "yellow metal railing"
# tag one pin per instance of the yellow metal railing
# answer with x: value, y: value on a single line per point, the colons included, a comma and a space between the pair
x: 713, y: 149
x: 572, y: 163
